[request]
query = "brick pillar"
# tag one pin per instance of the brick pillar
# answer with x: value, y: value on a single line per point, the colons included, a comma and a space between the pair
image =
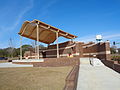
x: 107, y: 47
x: 103, y: 47
x: 79, y: 49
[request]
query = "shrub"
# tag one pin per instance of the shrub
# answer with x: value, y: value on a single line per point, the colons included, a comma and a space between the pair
x: 115, y: 58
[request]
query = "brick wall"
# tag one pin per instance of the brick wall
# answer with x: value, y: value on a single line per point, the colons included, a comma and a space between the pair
x: 101, y: 50
x: 64, y: 44
x: 112, y: 65
x: 65, y: 49
x: 55, y: 62
x: 71, y: 79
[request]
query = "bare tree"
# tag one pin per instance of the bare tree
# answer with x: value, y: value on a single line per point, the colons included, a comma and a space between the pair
x: 33, y: 43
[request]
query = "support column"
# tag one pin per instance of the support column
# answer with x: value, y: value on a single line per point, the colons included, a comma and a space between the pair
x: 57, y: 45
x: 35, y: 49
x: 37, y: 41
x: 20, y: 47
x: 21, y: 42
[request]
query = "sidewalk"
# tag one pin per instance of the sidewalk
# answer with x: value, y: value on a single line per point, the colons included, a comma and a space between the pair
x: 97, y: 78
x: 6, y: 65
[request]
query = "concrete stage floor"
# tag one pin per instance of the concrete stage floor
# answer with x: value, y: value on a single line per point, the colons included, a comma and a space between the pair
x: 9, y: 64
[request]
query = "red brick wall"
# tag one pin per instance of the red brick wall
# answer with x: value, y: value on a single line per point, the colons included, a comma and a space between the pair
x: 81, y: 49
x: 111, y: 65
x: 64, y: 49
x: 71, y: 80
x: 56, y: 62
x: 99, y: 50
x: 64, y: 44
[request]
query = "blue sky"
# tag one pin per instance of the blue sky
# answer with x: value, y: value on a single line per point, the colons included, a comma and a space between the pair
x: 84, y: 18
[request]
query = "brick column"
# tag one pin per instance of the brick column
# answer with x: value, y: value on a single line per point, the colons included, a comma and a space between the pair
x: 79, y: 49
x: 107, y: 47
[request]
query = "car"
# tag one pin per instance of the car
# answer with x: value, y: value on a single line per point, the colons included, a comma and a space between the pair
x: 3, y: 58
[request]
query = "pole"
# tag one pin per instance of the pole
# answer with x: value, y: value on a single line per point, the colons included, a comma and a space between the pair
x: 20, y: 47
x: 21, y: 42
x: 57, y: 45
x: 35, y: 50
x: 37, y: 41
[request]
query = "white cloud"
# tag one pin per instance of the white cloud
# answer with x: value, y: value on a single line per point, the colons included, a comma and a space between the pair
x: 5, y: 31
x: 111, y: 37
x: 86, y: 38
x: 20, y: 16
x: 44, y: 10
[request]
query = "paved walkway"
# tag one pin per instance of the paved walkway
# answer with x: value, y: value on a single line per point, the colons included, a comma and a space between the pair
x: 6, y: 65
x: 97, y: 78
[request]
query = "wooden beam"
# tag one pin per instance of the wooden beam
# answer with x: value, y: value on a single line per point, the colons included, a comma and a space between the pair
x: 24, y: 29
x: 32, y: 31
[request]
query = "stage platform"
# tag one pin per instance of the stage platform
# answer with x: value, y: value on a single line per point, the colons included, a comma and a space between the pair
x: 27, y: 61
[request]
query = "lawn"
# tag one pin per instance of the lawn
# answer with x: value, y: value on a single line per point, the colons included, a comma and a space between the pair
x: 33, y: 78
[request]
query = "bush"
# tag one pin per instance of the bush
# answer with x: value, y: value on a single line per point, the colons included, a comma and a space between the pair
x: 115, y: 58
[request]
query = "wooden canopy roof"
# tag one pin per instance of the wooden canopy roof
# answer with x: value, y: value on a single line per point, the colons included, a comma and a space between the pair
x: 47, y: 33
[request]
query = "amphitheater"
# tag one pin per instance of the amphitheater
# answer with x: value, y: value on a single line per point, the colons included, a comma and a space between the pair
x: 92, y: 66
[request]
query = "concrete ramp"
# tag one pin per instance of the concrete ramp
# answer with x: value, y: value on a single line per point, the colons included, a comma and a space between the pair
x: 96, y: 62
x: 97, y: 78
x: 92, y: 61
x: 85, y: 60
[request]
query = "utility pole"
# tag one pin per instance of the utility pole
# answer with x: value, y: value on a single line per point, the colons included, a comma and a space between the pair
x: 20, y: 47
x: 11, y: 47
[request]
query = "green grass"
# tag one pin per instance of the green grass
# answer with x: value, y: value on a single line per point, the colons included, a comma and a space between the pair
x: 36, y: 78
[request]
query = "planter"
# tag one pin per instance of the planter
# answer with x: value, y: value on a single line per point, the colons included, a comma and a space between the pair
x: 119, y: 62
x: 115, y: 62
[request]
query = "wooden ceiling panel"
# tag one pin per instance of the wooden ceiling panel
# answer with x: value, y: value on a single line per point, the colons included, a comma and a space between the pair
x: 47, y: 33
